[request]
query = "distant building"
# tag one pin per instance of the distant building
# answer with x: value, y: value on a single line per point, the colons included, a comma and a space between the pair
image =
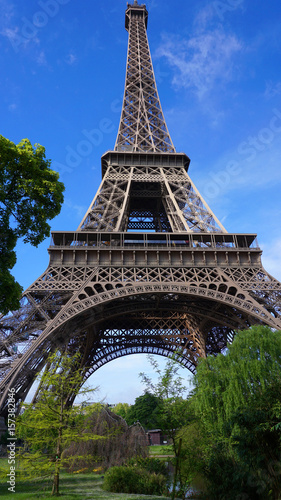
x: 156, y: 436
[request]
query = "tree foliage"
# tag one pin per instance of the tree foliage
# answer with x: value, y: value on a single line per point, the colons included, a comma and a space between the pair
x: 121, y: 409
x: 256, y: 439
x: 174, y: 413
x: 229, y: 431
x: 118, y: 442
x: 169, y: 391
x: 30, y: 195
x: 169, y: 384
x: 50, y: 425
x: 237, y: 402
x: 227, y: 382
x: 145, y: 410
x: 134, y: 479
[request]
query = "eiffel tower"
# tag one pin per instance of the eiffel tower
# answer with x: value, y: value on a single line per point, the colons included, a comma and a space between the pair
x: 150, y: 269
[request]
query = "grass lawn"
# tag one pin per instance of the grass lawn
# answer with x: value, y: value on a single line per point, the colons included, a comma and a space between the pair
x: 80, y: 486
x: 161, y: 451
x: 72, y: 487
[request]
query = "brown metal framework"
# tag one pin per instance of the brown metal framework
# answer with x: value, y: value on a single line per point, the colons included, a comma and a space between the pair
x: 142, y: 125
x: 150, y: 268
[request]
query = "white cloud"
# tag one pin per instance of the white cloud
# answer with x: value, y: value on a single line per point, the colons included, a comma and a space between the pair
x: 6, y: 29
x: 272, y: 89
x: 70, y: 59
x: 11, y: 33
x: 12, y: 107
x: 119, y: 380
x: 216, y: 11
x: 244, y: 168
x: 7, y: 11
x: 41, y: 59
x: 204, y: 17
x: 222, y: 9
x: 79, y: 210
x: 201, y: 62
x: 16, y: 38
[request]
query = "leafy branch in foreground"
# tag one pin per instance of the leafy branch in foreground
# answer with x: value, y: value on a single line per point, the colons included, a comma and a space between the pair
x: 30, y: 196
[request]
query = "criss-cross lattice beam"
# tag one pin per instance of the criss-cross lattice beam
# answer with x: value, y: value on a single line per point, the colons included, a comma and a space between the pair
x: 142, y: 125
x: 195, y: 309
x: 139, y: 192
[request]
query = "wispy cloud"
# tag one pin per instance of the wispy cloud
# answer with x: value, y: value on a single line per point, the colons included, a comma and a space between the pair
x: 7, y: 11
x: 235, y: 172
x: 41, y: 59
x: 204, y: 17
x: 70, y: 59
x: 13, y: 29
x: 12, y: 34
x: 216, y: 11
x: 121, y: 390
x: 201, y: 62
x: 24, y: 32
x: 78, y: 210
x: 7, y: 29
x: 272, y: 89
x: 12, y: 107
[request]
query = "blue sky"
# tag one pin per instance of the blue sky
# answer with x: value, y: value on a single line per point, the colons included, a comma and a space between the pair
x: 217, y: 66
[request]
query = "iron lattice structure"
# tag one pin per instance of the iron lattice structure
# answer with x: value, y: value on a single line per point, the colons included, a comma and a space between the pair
x: 150, y: 268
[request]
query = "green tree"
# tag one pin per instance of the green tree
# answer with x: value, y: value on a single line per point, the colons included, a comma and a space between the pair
x: 237, y: 401
x: 145, y: 410
x: 174, y: 413
x: 30, y: 195
x: 227, y: 382
x: 256, y: 440
x: 191, y: 471
x: 121, y: 409
x: 51, y: 424
x: 173, y: 407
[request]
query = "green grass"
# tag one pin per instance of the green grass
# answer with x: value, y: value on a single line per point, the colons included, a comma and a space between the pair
x: 80, y: 486
x: 72, y: 487
x: 159, y: 451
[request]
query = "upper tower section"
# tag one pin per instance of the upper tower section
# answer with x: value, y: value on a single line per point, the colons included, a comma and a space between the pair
x: 135, y: 10
x: 142, y: 125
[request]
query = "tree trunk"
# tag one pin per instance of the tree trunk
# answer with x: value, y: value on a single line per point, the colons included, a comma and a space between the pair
x: 55, y: 490
x: 176, y: 469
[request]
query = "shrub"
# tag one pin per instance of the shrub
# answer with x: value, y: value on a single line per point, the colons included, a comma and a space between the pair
x: 149, y: 464
x: 131, y: 479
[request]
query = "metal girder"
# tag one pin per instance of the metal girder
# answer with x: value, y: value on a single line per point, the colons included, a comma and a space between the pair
x: 148, y: 197
x: 150, y: 268
x: 142, y: 125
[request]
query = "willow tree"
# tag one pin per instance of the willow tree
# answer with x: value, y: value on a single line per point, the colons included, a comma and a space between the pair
x: 230, y: 381
x: 237, y: 401
x: 30, y: 196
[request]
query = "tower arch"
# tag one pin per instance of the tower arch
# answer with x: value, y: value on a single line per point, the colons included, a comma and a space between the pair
x: 150, y: 267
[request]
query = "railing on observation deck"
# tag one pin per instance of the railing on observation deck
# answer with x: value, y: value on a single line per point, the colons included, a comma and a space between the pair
x: 151, y: 240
